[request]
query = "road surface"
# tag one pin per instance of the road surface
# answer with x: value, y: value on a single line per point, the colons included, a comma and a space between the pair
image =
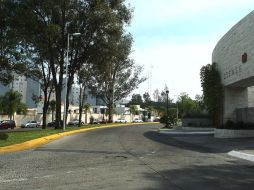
x: 134, y: 157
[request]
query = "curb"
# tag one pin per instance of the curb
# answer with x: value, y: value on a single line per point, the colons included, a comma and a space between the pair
x: 184, y: 132
x: 245, y: 156
x: 44, y: 140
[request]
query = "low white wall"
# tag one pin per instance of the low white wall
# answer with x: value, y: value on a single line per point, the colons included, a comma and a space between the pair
x: 230, y: 133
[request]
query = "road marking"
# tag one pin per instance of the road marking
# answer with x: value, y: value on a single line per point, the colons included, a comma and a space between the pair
x: 69, y: 172
x: 47, y: 176
x: 13, y: 180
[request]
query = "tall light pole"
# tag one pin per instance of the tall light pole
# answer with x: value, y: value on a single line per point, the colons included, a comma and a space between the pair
x: 66, y: 78
x: 167, y: 122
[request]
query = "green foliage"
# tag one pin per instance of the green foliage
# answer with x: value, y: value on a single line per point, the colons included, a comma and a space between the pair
x: 136, y: 99
x: 213, y: 92
x: 172, y: 116
x: 133, y: 110
x: 11, y: 103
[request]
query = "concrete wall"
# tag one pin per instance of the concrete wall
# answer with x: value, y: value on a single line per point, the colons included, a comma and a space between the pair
x: 236, y: 75
x: 245, y: 115
x: 196, y: 122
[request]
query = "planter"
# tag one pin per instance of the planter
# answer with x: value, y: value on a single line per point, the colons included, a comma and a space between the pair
x: 231, y: 133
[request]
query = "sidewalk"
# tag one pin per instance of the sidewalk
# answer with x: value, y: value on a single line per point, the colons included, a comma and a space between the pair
x: 242, y: 148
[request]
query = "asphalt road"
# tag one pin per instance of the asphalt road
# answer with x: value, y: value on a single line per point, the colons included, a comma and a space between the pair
x: 135, y: 157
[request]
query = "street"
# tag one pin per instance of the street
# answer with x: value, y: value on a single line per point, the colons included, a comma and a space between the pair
x: 131, y: 157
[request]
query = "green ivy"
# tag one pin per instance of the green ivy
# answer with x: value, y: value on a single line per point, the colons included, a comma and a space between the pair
x: 213, y: 92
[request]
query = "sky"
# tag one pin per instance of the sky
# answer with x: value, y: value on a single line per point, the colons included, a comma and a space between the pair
x: 173, y: 39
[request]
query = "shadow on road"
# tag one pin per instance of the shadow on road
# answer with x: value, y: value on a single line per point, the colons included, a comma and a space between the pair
x: 202, y: 143
x: 224, y: 176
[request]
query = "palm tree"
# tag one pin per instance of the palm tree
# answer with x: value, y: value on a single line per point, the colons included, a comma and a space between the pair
x: 87, y: 109
x: 133, y: 110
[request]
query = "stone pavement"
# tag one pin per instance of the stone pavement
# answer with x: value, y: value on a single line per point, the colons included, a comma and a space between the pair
x: 242, y: 148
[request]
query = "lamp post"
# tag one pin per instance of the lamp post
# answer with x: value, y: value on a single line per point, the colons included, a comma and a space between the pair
x: 66, y: 77
x: 167, y: 122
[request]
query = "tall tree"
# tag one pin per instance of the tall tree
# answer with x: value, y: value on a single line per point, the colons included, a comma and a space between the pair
x: 136, y: 99
x: 11, y: 51
x: 119, y: 75
x: 46, y: 24
x: 147, y: 99
x: 213, y: 92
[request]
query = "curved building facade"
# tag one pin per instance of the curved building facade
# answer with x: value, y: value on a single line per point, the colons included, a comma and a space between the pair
x: 234, y: 56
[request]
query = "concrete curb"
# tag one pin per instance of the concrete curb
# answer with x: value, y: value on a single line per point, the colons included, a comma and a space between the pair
x: 44, y: 140
x: 242, y: 155
x: 187, y: 133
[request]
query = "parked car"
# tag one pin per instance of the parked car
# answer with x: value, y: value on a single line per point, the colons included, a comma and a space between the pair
x: 53, y: 124
x: 75, y: 122
x: 28, y: 124
x: 6, y: 124
x: 97, y: 121
x: 136, y: 120
x: 121, y: 121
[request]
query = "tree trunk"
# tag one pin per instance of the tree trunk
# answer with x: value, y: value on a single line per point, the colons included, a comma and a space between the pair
x: 81, y: 104
x: 58, y: 108
x: 44, y: 115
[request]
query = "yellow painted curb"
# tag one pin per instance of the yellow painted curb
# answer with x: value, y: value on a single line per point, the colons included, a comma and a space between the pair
x: 43, y: 140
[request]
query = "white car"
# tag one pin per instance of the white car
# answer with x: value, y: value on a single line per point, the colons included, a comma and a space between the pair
x: 120, y: 121
x: 136, y: 120
x: 29, y: 124
x: 75, y: 122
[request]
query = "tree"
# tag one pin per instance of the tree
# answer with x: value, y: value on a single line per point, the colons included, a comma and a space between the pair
x: 156, y: 96
x: 136, y: 99
x: 213, y: 92
x: 45, y: 25
x: 133, y: 110
x: 11, y: 103
x: 119, y: 75
x: 147, y: 99
x: 11, y: 51
x: 185, y: 104
x: 85, y: 80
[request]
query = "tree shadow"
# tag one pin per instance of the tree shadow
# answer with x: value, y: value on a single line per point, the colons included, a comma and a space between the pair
x: 202, y: 143
x: 212, y: 177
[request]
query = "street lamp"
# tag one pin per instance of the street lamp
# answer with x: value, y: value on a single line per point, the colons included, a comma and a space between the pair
x: 167, y: 122
x: 66, y: 77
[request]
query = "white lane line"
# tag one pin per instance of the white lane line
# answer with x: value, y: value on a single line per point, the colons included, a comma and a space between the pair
x: 13, y: 180
x: 69, y: 172
x: 46, y: 176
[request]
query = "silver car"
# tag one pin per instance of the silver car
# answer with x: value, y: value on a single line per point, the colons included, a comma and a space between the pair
x: 30, y: 124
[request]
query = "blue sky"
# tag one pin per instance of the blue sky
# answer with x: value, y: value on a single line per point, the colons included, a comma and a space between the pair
x: 175, y: 38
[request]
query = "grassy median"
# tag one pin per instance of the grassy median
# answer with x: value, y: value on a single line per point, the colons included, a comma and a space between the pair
x: 16, y: 137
